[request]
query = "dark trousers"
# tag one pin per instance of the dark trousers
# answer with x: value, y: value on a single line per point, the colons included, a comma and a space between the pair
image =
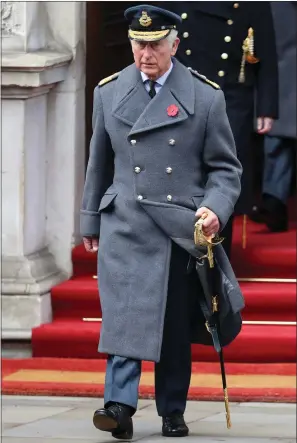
x: 173, y: 372
x: 240, y: 111
x: 278, y: 167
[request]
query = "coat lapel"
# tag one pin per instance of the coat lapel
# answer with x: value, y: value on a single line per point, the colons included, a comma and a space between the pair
x: 133, y: 106
x: 130, y: 98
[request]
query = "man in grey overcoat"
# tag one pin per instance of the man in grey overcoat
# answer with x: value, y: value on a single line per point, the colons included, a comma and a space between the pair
x: 162, y: 154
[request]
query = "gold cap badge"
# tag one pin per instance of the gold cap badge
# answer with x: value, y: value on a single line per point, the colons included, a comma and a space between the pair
x: 145, y: 20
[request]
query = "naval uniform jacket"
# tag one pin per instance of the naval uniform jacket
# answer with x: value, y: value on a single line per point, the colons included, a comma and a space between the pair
x: 147, y: 174
x: 212, y: 34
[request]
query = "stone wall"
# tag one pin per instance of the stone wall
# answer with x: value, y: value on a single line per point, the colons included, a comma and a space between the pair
x: 43, y: 153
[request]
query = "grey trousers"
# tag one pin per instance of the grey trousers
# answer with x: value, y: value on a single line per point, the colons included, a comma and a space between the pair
x: 173, y: 372
x: 278, y: 167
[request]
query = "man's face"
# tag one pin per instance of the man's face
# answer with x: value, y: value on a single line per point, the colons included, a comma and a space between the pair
x: 154, y: 58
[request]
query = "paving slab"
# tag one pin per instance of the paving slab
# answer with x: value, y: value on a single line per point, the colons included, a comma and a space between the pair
x: 71, y: 402
x: 5, y: 426
x: 25, y: 414
x: 43, y: 440
x: 65, y: 420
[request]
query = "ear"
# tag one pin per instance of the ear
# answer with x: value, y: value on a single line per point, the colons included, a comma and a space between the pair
x: 175, y: 46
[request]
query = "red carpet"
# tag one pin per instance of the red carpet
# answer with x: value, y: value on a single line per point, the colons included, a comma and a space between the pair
x: 270, y: 255
x: 76, y: 339
x: 267, y: 256
x: 246, y: 382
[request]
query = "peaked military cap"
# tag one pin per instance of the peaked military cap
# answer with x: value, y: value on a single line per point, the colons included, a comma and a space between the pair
x: 150, y: 23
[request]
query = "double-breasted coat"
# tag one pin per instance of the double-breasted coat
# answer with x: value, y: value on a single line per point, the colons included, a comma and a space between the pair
x: 147, y: 174
x: 212, y: 35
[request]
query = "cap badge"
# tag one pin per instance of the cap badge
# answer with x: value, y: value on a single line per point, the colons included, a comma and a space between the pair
x: 145, y: 20
x: 172, y: 110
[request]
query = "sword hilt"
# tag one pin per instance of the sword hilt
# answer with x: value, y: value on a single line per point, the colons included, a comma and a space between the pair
x: 201, y: 239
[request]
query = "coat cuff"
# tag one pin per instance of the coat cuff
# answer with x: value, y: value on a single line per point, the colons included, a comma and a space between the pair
x: 89, y: 223
x: 220, y: 205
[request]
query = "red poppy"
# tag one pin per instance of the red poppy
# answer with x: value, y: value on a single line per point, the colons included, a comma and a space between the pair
x: 172, y: 110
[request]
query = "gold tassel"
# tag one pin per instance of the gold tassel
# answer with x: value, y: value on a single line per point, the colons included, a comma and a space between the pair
x: 244, y: 231
x: 248, y: 54
x: 241, y: 78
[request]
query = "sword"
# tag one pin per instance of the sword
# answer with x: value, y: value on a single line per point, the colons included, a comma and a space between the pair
x: 205, y: 266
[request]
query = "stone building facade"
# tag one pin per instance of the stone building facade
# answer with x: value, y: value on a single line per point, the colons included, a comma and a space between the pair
x: 43, y: 154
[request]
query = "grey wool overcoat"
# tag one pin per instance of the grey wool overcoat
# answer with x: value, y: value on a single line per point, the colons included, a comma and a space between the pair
x: 148, y: 172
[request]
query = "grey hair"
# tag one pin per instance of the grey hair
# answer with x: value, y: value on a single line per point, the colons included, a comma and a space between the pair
x: 172, y: 36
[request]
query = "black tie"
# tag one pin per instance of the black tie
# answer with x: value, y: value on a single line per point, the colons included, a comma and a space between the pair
x: 152, y: 91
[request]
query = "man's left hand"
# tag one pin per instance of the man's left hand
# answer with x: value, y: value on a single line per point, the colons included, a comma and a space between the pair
x: 264, y: 125
x: 211, y: 224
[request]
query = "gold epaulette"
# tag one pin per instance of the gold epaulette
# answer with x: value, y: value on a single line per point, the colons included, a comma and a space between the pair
x: 108, y: 79
x: 204, y: 79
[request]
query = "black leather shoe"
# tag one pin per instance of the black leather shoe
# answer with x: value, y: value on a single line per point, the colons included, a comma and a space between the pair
x: 258, y: 214
x: 174, y: 426
x: 115, y: 419
x: 272, y: 212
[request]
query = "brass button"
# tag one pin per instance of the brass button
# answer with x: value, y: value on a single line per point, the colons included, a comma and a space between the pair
x: 236, y: 5
x: 185, y: 35
x: 172, y: 142
x: 188, y: 52
x: 227, y: 39
x: 224, y: 56
x: 221, y: 73
x: 169, y: 198
x: 139, y: 197
x: 184, y: 16
x: 169, y: 170
x: 133, y: 142
x: 137, y: 169
x: 230, y: 22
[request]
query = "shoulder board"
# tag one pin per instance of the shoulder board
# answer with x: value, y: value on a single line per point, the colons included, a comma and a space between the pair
x: 204, y: 79
x: 108, y: 79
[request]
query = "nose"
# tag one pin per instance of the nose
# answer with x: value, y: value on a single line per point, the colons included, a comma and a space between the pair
x: 147, y: 52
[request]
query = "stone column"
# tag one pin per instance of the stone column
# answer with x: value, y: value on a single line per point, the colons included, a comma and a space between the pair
x: 66, y: 134
x: 41, y: 107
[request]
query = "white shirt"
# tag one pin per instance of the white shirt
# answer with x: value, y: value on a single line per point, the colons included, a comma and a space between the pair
x: 158, y: 83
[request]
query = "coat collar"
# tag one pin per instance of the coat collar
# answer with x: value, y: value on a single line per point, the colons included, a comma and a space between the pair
x: 133, y: 106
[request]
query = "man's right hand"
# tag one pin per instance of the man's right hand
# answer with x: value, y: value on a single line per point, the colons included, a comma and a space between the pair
x: 91, y: 244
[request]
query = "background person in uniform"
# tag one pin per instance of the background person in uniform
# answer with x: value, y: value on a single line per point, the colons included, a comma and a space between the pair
x: 162, y: 153
x: 212, y: 35
x: 280, y: 143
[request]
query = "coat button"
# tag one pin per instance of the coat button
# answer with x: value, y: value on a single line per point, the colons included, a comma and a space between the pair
x: 221, y: 73
x: 236, y: 5
x: 139, y: 197
x: 169, y: 170
x: 172, y: 142
x: 230, y: 22
x: 227, y: 39
x: 169, y: 198
x: 224, y: 56
x: 184, y: 16
x: 133, y: 142
x: 188, y: 52
x: 185, y: 35
x: 137, y: 169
